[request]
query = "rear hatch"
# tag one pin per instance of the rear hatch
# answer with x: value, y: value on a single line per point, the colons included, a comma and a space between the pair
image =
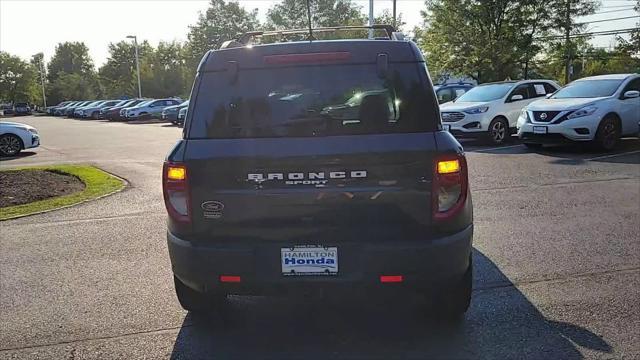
x: 315, y: 146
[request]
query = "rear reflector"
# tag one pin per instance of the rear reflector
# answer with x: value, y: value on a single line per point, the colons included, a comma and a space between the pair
x: 230, y: 279
x: 307, y: 58
x: 390, y: 278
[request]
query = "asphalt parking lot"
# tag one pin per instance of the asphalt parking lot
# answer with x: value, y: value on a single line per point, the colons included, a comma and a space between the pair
x: 557, y: 264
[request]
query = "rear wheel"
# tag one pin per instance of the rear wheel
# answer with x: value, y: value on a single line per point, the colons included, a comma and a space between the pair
x: 195, y: 301
x: 608, y: 133
x: 10, y: 145
x: 499, y: 131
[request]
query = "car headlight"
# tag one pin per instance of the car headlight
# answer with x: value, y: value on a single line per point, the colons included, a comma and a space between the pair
x: 585, y: 111
x: 32, y: 130
x: 478, y: 110
x: 522, y: 119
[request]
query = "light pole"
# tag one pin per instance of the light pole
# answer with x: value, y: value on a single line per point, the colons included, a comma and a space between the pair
x: 370, y: 18
x: 42, y: 74
x: 135, y: 42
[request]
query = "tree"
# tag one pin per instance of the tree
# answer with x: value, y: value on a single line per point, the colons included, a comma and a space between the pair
x: 492, y: 40
x: 221, y: 22
x: 18, y: 79
x: 164, y: 73
x: 118, y: 74
x: 37, y: 61
x: 72, y: 58
x: 74, y: 86
x: 292, y: 14
x: 473, y: 38
x: 386, y: 18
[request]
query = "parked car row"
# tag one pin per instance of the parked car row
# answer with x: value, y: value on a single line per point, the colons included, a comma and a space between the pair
x: 115, y: 110
x: 21, y: 108
x: 600, y: 108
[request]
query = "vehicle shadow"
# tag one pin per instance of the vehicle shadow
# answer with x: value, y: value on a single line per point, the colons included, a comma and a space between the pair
x: 627, y: 152
x: 501, y: 323
x: 21, y: 155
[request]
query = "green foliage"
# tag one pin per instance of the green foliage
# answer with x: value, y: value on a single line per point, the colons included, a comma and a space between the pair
x: 492, y: 40
x: 71, y: 74
x: 18, y: 79
x: 221, y: 22
x: 292, y: 14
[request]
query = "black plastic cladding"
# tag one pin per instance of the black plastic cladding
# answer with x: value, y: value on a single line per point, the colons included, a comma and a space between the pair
x: 362, y: 52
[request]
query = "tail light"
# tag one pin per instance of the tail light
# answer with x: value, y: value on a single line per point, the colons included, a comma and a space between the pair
x: 175, y: 188
x: 450, y: 186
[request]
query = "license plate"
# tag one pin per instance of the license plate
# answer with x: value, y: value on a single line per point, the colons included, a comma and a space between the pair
x: 446, y: 127
x: 309, y: 260
x: 539, y: 129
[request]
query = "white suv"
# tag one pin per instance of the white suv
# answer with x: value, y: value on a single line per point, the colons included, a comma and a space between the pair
x: 598, y: 108
x: 492, y: 109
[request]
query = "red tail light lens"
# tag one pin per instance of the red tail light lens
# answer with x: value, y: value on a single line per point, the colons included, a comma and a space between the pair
x: 450, y: 185
x: 175, y: 188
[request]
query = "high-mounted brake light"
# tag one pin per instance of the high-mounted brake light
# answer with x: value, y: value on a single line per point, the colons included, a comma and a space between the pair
x: 450, y: 186
x: 176, y: 191
x: 307, y: 58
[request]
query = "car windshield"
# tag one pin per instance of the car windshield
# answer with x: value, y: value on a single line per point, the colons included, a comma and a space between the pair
x: 144, y: 103
x: 588, y: 89
x: 485, y: 93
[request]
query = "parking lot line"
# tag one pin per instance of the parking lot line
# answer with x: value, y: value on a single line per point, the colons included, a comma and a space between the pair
x: 498, y: 148
x: 614, y: 155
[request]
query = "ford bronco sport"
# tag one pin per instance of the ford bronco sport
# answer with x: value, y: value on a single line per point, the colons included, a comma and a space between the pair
x: 317, y: 165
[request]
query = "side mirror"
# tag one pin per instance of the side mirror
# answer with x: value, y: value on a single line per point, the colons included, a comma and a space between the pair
x: 517, y: 98
x: 548, y: 96
x: 631, y: 94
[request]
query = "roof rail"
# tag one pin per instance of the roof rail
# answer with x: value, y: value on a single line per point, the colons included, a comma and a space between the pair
x: 243, y: 39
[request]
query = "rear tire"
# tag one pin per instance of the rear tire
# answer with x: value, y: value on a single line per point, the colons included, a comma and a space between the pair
x: 499, y: 131
x: 195, y: 301
x: 608, y: 134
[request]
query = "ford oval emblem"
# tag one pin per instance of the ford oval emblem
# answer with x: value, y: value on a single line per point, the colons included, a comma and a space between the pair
x: 213, y: 206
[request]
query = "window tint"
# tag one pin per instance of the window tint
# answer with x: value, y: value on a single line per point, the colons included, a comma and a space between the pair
x: 445, y: 95
x: 549, y: 88
x: 460, y: 92
x: 521, y: 90
x: 633, y: 85
x: 312, y: 101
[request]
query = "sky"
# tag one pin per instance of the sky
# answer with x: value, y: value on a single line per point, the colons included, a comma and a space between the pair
x: 31, y: 26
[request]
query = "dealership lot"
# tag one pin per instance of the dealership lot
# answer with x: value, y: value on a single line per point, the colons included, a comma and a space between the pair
x: 556, y: 257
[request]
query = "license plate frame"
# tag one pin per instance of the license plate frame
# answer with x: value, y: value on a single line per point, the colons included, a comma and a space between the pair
x: 309, y: 260
x: 540, y: 130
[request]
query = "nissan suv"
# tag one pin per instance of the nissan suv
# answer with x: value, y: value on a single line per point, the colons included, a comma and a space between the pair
x: 317, y: 166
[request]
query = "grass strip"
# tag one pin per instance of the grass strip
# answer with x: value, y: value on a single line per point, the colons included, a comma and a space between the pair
x: 97, y: 183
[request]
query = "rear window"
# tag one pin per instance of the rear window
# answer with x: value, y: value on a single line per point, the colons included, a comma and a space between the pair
x: 313, y: 101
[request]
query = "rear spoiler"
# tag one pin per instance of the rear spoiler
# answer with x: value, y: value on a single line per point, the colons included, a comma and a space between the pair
x: 244, y: 39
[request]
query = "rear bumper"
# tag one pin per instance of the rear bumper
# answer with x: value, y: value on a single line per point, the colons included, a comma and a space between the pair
x: 424, y: 265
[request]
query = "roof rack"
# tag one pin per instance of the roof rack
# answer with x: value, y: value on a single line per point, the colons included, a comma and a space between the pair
x: 243, y: 39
